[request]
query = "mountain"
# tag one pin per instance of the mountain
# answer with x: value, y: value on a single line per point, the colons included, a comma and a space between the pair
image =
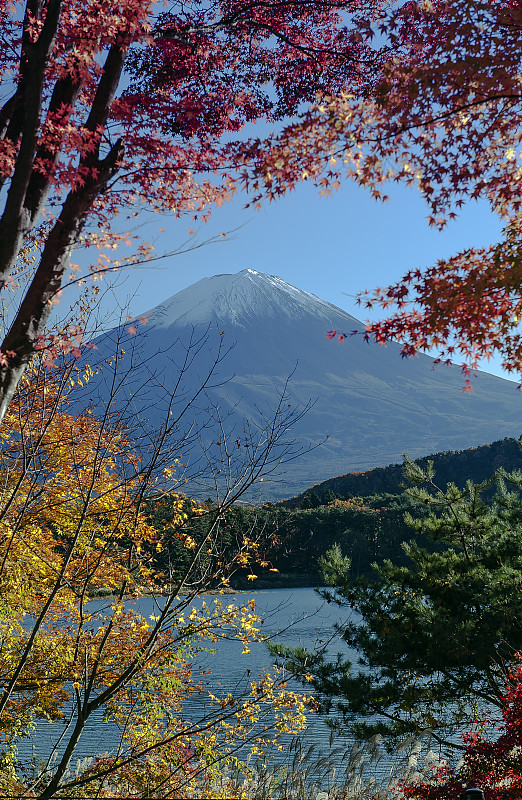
x: 371, y: 404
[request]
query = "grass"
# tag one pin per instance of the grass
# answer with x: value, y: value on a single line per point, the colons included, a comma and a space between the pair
x: 362, y: 772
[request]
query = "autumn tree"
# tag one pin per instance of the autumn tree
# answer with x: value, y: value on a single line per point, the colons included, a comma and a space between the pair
x: 444, y: 117
x: 75, y: 521
x: 113, y: 107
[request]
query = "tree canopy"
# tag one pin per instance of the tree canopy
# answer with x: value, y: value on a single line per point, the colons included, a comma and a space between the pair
x: 491, y: 763
x: 112, y: 107
x: 77, y: 552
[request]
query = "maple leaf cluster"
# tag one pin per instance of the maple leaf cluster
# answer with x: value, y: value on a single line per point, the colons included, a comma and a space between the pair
x: 492, y: 765
x: 444, y: 116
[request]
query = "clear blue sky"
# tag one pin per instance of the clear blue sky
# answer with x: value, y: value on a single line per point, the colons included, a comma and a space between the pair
x: 333, y: 247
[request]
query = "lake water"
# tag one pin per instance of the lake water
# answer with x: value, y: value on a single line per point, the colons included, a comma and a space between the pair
x: 292, y: 616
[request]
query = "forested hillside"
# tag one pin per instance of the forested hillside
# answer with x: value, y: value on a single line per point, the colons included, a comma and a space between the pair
x: 362, y: 512
x: 289, y: 543
x: 475, y: 463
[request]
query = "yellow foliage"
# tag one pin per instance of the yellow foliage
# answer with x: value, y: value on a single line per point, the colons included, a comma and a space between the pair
x: 72, y: 524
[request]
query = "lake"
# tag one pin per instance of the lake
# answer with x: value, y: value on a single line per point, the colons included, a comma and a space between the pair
x: 295, y: 616
x: 292, y: 616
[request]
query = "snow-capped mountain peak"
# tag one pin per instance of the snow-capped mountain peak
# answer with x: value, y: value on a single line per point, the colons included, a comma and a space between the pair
x: 240, y: 298
x: 371, y: 404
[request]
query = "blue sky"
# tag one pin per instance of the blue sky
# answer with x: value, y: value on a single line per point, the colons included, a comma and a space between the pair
x: 333, y: 247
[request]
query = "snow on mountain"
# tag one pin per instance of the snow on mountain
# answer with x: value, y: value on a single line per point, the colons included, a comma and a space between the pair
x: 371, y: 404
x: 238, y: 298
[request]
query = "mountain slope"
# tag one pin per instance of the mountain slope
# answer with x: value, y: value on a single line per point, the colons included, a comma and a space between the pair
x: 371, y: 404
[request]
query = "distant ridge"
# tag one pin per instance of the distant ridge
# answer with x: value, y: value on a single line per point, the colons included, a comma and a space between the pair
x: 476, y: 464
x: 369, y: 405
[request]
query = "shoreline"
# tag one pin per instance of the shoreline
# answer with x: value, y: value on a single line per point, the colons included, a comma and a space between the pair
x: 241, y: 586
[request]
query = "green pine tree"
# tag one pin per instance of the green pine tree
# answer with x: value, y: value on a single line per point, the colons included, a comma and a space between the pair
x: 432, y: 639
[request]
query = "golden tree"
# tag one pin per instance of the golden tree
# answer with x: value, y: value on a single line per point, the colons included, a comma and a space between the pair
x: 73, y: 523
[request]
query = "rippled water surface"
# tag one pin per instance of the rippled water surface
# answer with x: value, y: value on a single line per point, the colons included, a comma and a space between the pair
x: 291, y: 616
